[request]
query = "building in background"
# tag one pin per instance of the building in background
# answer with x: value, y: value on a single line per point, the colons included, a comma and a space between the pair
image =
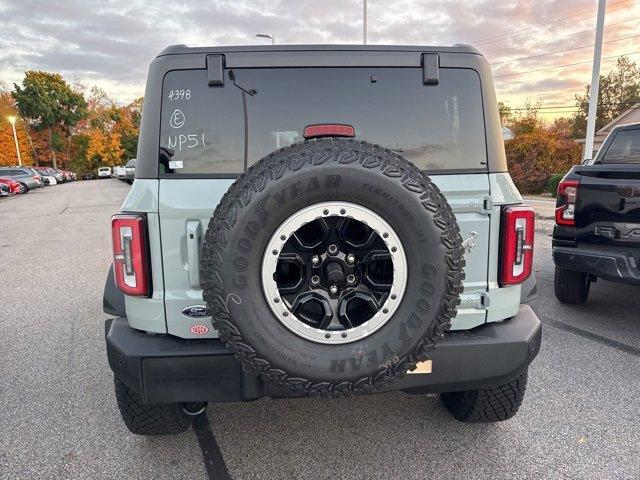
x: 632, y: 115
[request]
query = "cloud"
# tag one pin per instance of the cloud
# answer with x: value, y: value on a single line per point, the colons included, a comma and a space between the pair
x: 110, y: 43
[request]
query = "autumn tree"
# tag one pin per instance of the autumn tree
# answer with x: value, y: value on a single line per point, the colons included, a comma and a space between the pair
x: 128, y: 126
x: 104, y: 148
x: 49, y: 103
x: 505, y: 113
x: 618, y: 91
x: 538, y: 151
x: 8, y: 154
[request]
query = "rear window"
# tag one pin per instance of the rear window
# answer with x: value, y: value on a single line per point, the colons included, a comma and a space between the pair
x: 625, y: 148
x: 437, y: 127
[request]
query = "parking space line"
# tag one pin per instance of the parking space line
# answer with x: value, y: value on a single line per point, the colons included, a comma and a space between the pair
x: 211, y: 454
x: 623, y: 347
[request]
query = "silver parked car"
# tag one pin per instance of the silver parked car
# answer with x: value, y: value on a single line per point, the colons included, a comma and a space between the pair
x: 130, y: 171
x: 24, y: 175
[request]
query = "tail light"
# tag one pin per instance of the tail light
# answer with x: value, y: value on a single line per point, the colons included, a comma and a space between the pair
x: 518, y: 225
x: 329, y: 130
x: 566, y: 205
x: 130, y: 259
x: 37, y: 177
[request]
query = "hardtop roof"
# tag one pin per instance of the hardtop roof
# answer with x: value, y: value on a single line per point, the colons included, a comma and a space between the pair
x: 184, y: 49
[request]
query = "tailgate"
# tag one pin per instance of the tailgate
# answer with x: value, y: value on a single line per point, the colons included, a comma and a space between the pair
x: 608, y: 209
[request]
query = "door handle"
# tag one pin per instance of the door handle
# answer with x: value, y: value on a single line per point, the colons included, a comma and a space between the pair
x: 193, y: 253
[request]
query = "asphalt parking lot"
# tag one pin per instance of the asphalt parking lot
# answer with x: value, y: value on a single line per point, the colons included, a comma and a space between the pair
x: 580, y: 417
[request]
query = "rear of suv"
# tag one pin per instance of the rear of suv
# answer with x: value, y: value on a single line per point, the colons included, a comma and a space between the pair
x: 597, y: 232
x: 366, y: 235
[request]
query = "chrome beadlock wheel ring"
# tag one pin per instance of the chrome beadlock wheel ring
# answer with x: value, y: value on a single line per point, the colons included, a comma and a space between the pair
x: 334, y: 272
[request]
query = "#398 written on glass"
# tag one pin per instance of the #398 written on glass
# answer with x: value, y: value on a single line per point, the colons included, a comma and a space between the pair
x: 179, y: 94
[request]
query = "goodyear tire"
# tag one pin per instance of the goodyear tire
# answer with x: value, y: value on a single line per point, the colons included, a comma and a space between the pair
x: 360, y: 218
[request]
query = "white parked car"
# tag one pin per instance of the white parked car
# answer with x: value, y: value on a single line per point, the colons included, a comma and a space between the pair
x: 49, y: 180
x: 118, y: 172
x: 104, y: 172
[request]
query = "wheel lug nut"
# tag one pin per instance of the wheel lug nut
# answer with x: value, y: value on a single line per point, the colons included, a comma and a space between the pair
x: 315, y: 259
x: 315, y: 280
x: 333, y: 249
x: 333, y: 289
x: 351, y: 259
x: 351, y: 279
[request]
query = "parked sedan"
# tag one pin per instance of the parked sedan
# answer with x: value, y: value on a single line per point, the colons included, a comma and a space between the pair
x: 53, y: 173
x: 47, y: 178
x: 118, y: 172
x: 14, y: 185
x: 23, y: 175
x: 130, y: 171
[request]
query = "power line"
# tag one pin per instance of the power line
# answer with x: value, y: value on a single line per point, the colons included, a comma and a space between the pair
x: 562, y: 51
x: 563, y: 37
x: 563, y: 66
x: 573, y: 107
x: 529, y: 30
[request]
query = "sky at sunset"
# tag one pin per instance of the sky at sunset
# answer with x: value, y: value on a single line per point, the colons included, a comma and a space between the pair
x: 110, y: 43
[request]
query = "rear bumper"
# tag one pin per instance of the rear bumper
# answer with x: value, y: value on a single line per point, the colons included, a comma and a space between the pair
x: 162, y: 368
x: 616, y: 266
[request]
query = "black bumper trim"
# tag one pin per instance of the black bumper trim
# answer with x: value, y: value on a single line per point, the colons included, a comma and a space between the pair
x: 615, y: 266
x: 162, y: 368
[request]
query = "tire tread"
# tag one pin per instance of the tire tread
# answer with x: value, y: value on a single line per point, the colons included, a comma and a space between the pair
x: 294, y: 157
x: 494, y: 404
x: 571, y: 286
x: 149, y: 418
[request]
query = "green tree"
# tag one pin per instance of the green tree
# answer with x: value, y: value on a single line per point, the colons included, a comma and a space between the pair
x: 49, y: 102
x: 619, y: 90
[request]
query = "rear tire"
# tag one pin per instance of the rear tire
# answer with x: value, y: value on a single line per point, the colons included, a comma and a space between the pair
x: 150, y: 418
x: 571, y: 287
x: 494, y: 404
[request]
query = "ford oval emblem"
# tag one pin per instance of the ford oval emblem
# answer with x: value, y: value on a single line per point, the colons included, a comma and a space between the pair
x: 195, y: 311
x: 199, y: 329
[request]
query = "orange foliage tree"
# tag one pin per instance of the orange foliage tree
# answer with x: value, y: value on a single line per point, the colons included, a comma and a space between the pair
x: 538, y: 151
x: 104, y: 148
x: 91, y: 130
x: 8, y: 155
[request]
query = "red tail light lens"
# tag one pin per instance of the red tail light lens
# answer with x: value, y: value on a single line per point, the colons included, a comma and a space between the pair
x: 329, y: 130
x: 566, y: 206
x: 130, y: 259
x: 518, y: 226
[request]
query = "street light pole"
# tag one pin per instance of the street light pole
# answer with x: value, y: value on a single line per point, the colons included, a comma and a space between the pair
x: 268, y: 35
x: 12, y: 121
x: 595, y: 82
x: 364, y: 22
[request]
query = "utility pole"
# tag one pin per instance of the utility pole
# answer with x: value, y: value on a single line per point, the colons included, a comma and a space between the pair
x: 364, y: 22
x: 595, y: 82
x: 12, y: 121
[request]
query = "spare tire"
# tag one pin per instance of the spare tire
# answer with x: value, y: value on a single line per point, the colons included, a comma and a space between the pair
x: 332, y: 266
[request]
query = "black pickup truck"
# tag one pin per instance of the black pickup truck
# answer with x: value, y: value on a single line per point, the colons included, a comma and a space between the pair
x: 597, y: 232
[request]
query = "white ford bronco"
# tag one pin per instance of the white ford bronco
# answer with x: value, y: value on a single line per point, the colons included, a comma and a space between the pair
x: 319, y: 221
